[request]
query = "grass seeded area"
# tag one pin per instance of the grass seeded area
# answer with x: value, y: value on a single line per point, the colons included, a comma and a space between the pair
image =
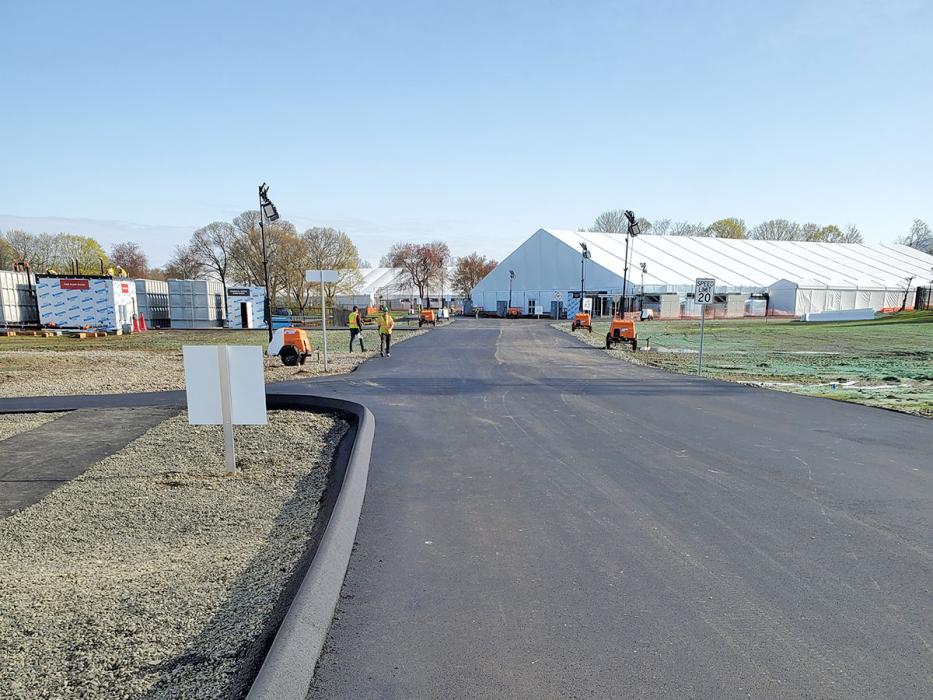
x: 887, y: 362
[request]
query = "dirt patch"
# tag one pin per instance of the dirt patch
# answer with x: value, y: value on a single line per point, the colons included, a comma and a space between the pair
x: 154, y: 363
x: 153, y: 574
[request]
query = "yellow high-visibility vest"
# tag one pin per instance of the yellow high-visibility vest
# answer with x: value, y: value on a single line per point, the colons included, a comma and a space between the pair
x: 354, y: 321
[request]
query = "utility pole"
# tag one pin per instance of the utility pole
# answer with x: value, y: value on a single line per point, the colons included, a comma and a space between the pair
x: 586, y: 254
x: 266, y: 210
x: 511, y: 277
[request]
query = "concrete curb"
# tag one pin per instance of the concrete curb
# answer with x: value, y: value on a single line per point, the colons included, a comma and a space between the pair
x: 288, y: 669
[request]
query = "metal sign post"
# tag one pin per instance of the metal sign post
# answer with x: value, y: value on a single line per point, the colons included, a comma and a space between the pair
x: 322, y: 276
x: 703, y: 295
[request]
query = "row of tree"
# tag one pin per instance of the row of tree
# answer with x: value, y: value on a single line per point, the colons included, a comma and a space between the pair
x: 231, y: 252
x: 614, y: 221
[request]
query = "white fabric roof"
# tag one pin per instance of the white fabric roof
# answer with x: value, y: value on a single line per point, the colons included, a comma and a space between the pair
x: 676, y: 261
x: 376, y: 279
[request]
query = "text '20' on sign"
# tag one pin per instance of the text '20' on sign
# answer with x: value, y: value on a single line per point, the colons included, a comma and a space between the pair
x: 703, y: 290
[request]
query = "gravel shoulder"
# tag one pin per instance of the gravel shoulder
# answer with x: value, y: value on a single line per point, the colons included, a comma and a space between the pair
x: 15, y: 423
x: 154, y: 363
x: 153, y: 574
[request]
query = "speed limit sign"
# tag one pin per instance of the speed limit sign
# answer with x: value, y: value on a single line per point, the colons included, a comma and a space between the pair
x: 703, y: 290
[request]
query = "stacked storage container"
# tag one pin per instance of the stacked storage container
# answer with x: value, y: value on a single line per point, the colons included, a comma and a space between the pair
x: 17, y: 300
x: 152, y: 297
x: 196, y: 304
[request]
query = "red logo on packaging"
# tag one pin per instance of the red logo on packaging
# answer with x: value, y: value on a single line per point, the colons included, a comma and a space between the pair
x: 74, y: 284
x: 124, y: 288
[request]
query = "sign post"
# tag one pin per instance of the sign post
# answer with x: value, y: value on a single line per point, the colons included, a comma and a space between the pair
x: 322, y: 276
x: 703, y: 295
x: 225, y: 386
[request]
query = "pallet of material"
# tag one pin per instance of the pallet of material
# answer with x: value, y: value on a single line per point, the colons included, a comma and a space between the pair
x: 7, y: 334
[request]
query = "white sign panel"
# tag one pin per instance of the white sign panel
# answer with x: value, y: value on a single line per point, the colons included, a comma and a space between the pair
x: 557, y: 296
x: 588, y: 304
x: 244, y: 378
x: 315, y: 276
x: 703, y: 290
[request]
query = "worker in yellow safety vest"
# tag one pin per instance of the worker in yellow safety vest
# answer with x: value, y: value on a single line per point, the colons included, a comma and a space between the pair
x: 386, y: 323
x: 356, y: 327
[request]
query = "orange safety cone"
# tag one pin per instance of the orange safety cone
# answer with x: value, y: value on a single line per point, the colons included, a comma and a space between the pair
x: 142, y: 323
x: 135, y: 323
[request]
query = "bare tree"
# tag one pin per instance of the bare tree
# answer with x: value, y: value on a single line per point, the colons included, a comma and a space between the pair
x: 611, y: 221
x: 213, y: 246
x: 7, y: 255
x: 247, y: 251
x: 131, y: 258
x: 852, y: 234
x: 330, y: 249
x: 661, y: 227
x: 920, y: 237
x: 685, y: 228
x: 469, y: 270
x: 423, y: 263
x: 183, y: 265
x: 776, y: 230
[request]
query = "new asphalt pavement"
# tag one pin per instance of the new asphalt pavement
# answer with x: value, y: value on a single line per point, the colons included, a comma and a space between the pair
x: 545, y: 521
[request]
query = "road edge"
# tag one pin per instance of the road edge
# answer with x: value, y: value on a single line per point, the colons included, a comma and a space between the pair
x: 288, y: 668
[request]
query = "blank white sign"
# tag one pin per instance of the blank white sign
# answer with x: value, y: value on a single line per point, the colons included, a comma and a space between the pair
x: 315, y: 275
x: 247, y: 385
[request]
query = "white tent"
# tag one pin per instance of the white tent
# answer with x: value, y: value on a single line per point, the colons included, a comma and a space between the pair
x: 549, y: 262
x: 389, y: 285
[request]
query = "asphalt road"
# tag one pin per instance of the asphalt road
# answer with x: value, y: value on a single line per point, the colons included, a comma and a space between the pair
x: 543, y: 521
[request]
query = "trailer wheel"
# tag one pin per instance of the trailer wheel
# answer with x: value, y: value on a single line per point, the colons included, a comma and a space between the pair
x: 608, y: 340
x: 290, y: 356
x: 420, y: 322
x: 573, y: 326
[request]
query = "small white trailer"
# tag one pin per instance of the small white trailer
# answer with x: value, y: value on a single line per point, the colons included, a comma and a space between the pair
x: 86, y: 301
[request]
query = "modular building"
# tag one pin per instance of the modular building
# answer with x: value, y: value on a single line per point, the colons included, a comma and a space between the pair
x: 17, y: 299
x: 246, y: 307
x: 196, y: 304
x: 758, y: 277
x: 86, y: 301
x: 152, y: 298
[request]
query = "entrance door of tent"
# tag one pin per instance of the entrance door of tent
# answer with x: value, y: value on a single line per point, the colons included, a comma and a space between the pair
x: 246, y: 314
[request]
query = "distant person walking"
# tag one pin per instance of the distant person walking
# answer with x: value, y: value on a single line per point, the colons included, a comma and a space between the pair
x: 356, y: 328
x: 386, y: 323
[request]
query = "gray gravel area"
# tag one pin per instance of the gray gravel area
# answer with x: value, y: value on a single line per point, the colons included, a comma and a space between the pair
x: 16, y: 423
x: 153, y: 574
x: 76, y: 372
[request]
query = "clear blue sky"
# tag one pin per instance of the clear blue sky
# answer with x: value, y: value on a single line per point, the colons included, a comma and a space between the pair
x: 475, y: 122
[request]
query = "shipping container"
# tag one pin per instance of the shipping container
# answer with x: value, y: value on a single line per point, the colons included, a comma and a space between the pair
x: 196, y: 304
x: 17, y: 299
x: 152, y: 297
x: 246, y: 307
x: 86, y: 301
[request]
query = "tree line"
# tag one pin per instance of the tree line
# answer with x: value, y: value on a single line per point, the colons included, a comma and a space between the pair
x: 614, y: 221
x: 231, y: 253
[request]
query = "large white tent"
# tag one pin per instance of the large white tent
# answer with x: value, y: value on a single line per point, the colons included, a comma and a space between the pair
x: 799, y: 277
x: 386, y: 285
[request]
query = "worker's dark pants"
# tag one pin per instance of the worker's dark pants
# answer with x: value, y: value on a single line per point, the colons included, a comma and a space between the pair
x: 384, y: 340
x: 353, y: 333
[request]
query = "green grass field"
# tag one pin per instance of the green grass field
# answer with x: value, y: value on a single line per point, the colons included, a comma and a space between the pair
x: 887, y: 362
